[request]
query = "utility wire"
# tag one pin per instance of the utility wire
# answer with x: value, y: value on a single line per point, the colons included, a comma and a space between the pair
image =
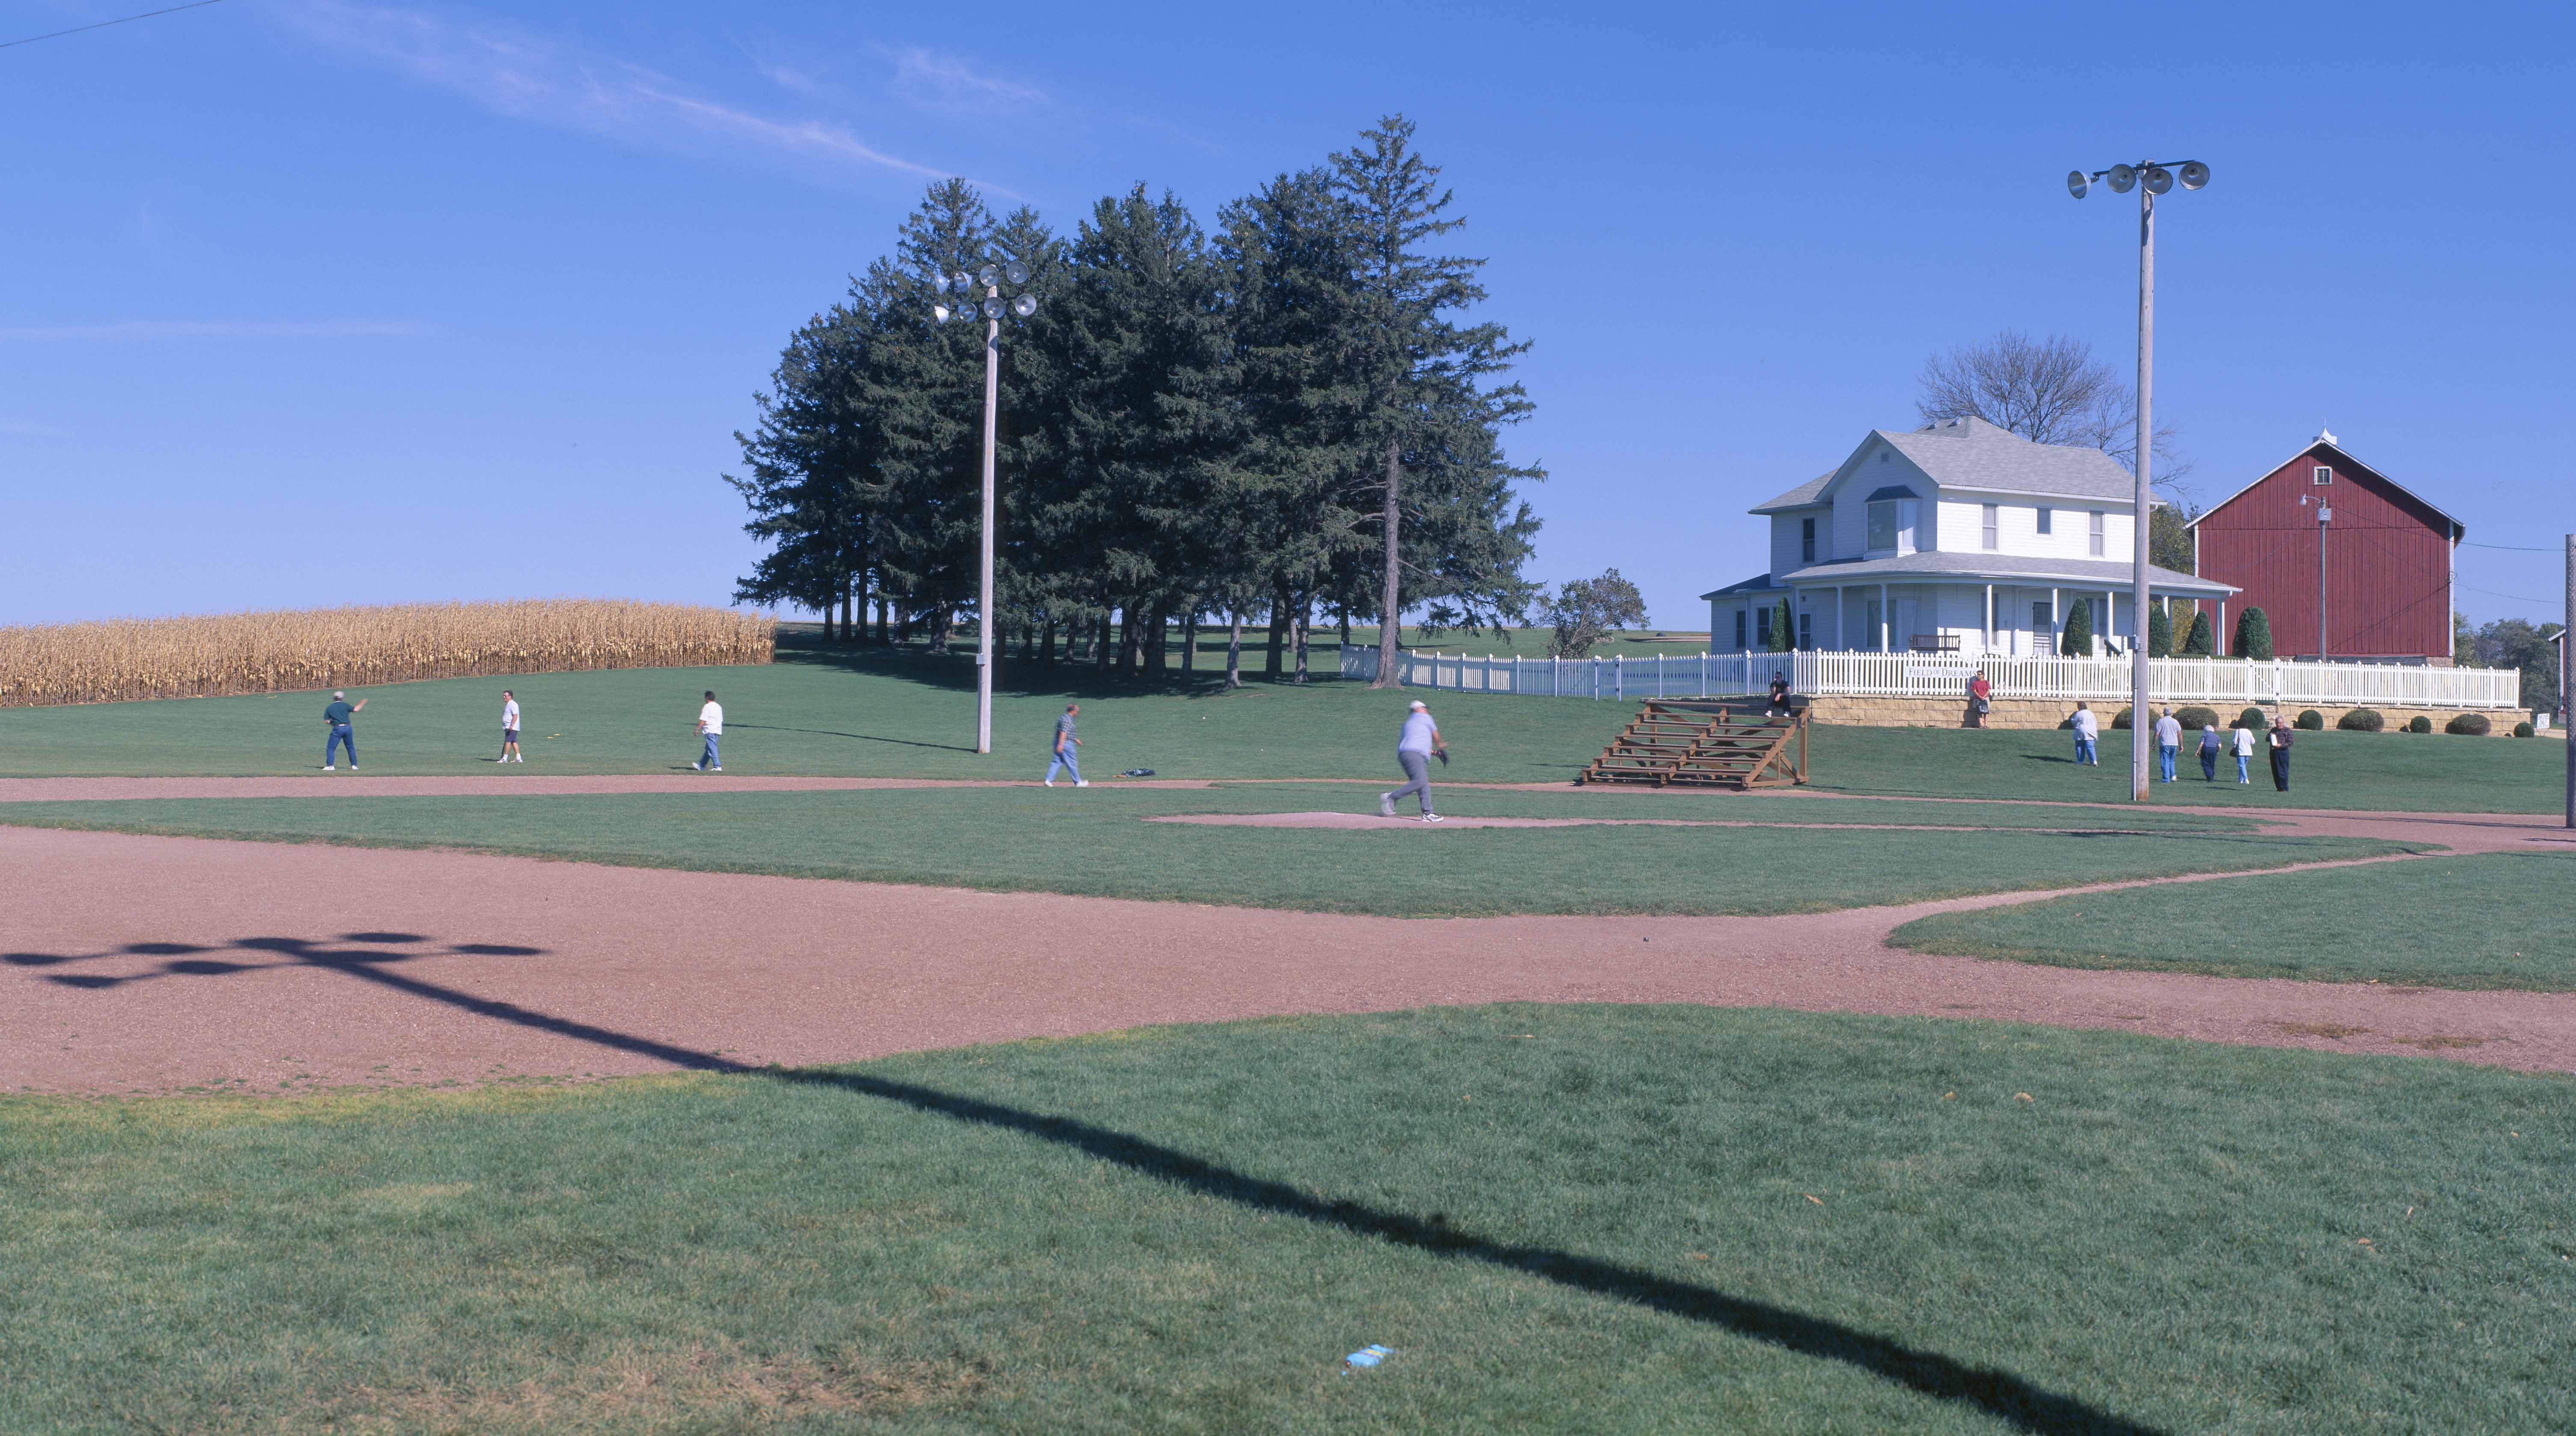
x: 2507, y: 547
x: 2518, y: 598
x: 103, y: 24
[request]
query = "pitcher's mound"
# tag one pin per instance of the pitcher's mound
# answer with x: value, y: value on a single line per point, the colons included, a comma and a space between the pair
x: 1372, y: 820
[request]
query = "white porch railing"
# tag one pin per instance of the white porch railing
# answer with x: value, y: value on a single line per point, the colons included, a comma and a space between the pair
x: 2235, y: 681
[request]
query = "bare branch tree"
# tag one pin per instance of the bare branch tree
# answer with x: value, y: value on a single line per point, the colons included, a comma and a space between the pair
x: 2049, y: 391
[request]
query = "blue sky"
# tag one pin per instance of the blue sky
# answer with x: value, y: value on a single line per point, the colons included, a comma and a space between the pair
x: 317, y: 302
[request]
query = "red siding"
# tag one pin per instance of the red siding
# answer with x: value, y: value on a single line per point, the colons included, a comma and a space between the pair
x: 2387, y: 562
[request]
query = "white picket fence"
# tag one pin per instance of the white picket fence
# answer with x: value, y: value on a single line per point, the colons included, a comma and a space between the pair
x: 1931, y: 675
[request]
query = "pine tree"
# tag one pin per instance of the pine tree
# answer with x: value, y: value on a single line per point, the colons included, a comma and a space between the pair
x: 2254, y: 635
x: 2203, y: 640
x: 2077, y: 640
x: 2159, y: 631
x: 1784, y: 638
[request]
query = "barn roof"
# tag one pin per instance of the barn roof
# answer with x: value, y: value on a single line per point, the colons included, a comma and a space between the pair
x: 2459, y: 530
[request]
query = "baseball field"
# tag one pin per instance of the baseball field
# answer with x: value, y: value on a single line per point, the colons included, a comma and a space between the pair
x: 869, y: 1085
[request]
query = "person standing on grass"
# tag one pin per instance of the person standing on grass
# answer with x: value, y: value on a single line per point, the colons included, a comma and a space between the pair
x: 1414, y: 749
x: 710, y: 727
x: 2087, y: 728
x: 2244, y: 753
x: 1064, y: 755
x: 339, y: 719
x: 509, y: 729
x: 2280, y: 753
x: 2168, y: 740
x: 2209, y: 752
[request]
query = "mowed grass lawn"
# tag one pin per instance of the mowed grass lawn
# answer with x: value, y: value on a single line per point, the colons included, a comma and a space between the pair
x: 867, y: 714
x: 2475, y: 922
x: 1569, y: 1219
x: 1100, y: 843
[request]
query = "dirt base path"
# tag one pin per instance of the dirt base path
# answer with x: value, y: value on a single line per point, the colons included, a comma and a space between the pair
x: 146, y: 964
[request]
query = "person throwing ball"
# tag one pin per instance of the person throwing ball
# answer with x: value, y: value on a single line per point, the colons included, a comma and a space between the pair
x: 1414, y: 750
x: 339, y: 724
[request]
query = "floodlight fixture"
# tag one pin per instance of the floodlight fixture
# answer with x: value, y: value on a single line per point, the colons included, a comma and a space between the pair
x: 1025, y: 305
x: 1016, y: 272
x: 2157, y: 179
x: 2124, y: 178
x: 992, y: 308
x: 939, y: 312
x: 965, y: 282
x: 2194, y: 174
x: 989, y: 276
x: 2076, y: 184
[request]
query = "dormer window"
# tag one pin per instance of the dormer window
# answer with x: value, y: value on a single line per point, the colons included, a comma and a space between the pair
x: 1882, y: 524
x: 1892, y: 516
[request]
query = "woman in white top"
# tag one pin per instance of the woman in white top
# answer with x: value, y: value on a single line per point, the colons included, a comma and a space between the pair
x: 2244, y: 752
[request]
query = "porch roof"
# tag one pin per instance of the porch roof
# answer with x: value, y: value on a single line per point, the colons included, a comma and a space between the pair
x: 2086, y: 573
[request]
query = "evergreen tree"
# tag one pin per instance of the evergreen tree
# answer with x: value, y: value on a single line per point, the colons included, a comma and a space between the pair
x: 2253, y: 635
x: 2203, y: 641
x: 2077, y: 640
x: 1784, y: 638
x: 808, y: 462
x: 1424, y: 417
x: 2159, y: 631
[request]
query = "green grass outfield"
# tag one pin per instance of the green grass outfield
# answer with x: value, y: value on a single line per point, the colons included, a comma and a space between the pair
x: 870, y: 714
x: 1564, y: 1219
x: 2476, y: 922
x: 1098, y: 843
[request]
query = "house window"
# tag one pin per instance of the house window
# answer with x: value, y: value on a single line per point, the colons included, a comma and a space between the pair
x: 1882, y: 524
x: 2045, y: 514
x: 1877, y: 620
x: 1806, y: 630
x: 1739, y: 629
x: 1806, y: 540
x: 2043, y: 619
x: 2093, y: 537
x: 1994, y: 526
x: 2322, y: 475
x: 1762, y: 626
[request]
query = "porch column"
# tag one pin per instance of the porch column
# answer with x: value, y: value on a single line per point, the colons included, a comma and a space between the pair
x: 2055, y: 623
x: 1842, y: 616
x: 2221, y: 634
x: 1990, y: 618
x: 1884, y: 619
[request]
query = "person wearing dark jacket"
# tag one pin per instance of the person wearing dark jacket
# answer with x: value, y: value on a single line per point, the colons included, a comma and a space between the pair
x: 2280, y: 753
x: 1779, y: 694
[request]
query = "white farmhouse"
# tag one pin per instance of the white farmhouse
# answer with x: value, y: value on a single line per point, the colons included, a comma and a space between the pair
x: 1959, y: 537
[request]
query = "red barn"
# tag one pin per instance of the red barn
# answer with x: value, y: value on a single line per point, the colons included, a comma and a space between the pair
x: 2382, y: 556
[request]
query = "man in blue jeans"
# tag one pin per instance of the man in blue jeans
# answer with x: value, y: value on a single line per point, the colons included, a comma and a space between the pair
x: 338, y: 718
x: 2168, y: 741
x: 1063, y: 755
x: 2087, y: 729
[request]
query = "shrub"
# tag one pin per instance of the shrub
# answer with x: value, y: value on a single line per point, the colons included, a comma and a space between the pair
x: 2120, y: 719
x: 2196, y: 717
x: 2251, y: 718
x: 2253, y: 635
x: 2203, y: 642
x: 2312, y: 720
x: 2469, y: 725
x: 2362, y: 720
x: 2077, y: 640
x: 2523, y: 729
x: 2419, y: 724
x: 2159, y: 632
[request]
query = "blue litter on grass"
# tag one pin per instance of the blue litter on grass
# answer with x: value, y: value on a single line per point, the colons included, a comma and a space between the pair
x: 1366, y: 1357
x: 1137, y: 773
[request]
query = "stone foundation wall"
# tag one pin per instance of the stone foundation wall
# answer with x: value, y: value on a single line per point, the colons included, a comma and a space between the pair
x: 2050, y: 713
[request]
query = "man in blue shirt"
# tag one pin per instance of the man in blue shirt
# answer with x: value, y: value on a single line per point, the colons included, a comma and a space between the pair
x: 1063, y: 756
x: 1413, y: 751
x: 337, y: 718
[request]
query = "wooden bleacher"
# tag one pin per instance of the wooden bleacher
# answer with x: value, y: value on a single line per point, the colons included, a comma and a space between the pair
x: 1707, y: 742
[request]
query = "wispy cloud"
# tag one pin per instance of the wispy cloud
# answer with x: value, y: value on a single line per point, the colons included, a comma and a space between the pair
x: 221, y: 329
x: 529, y: 78
x: 943, y: 83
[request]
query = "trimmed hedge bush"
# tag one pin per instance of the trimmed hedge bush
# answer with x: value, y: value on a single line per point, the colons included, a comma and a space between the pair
x: 2120, y: 719
x: 2362, y: 720
x: 2196, y: 717
x: 2469, y: 725
x: 2523, y: 730
x: 2419, y: 724
x: 2312, y: 720
x: 2251, y: 718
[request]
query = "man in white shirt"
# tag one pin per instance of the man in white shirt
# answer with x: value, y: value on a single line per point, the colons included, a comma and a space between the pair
x: 711, y: 726
x: 2244, y: 752
x: 509, y: 729
x: 2168, y: 740
x: 2087, y: 728
x: 1413, y: 751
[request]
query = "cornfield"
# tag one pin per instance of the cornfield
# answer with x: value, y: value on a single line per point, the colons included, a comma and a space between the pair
x: 283, y: 651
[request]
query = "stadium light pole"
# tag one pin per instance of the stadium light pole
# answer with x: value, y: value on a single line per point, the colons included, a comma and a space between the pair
x: 2149, y: 180
x: 989, y: 280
